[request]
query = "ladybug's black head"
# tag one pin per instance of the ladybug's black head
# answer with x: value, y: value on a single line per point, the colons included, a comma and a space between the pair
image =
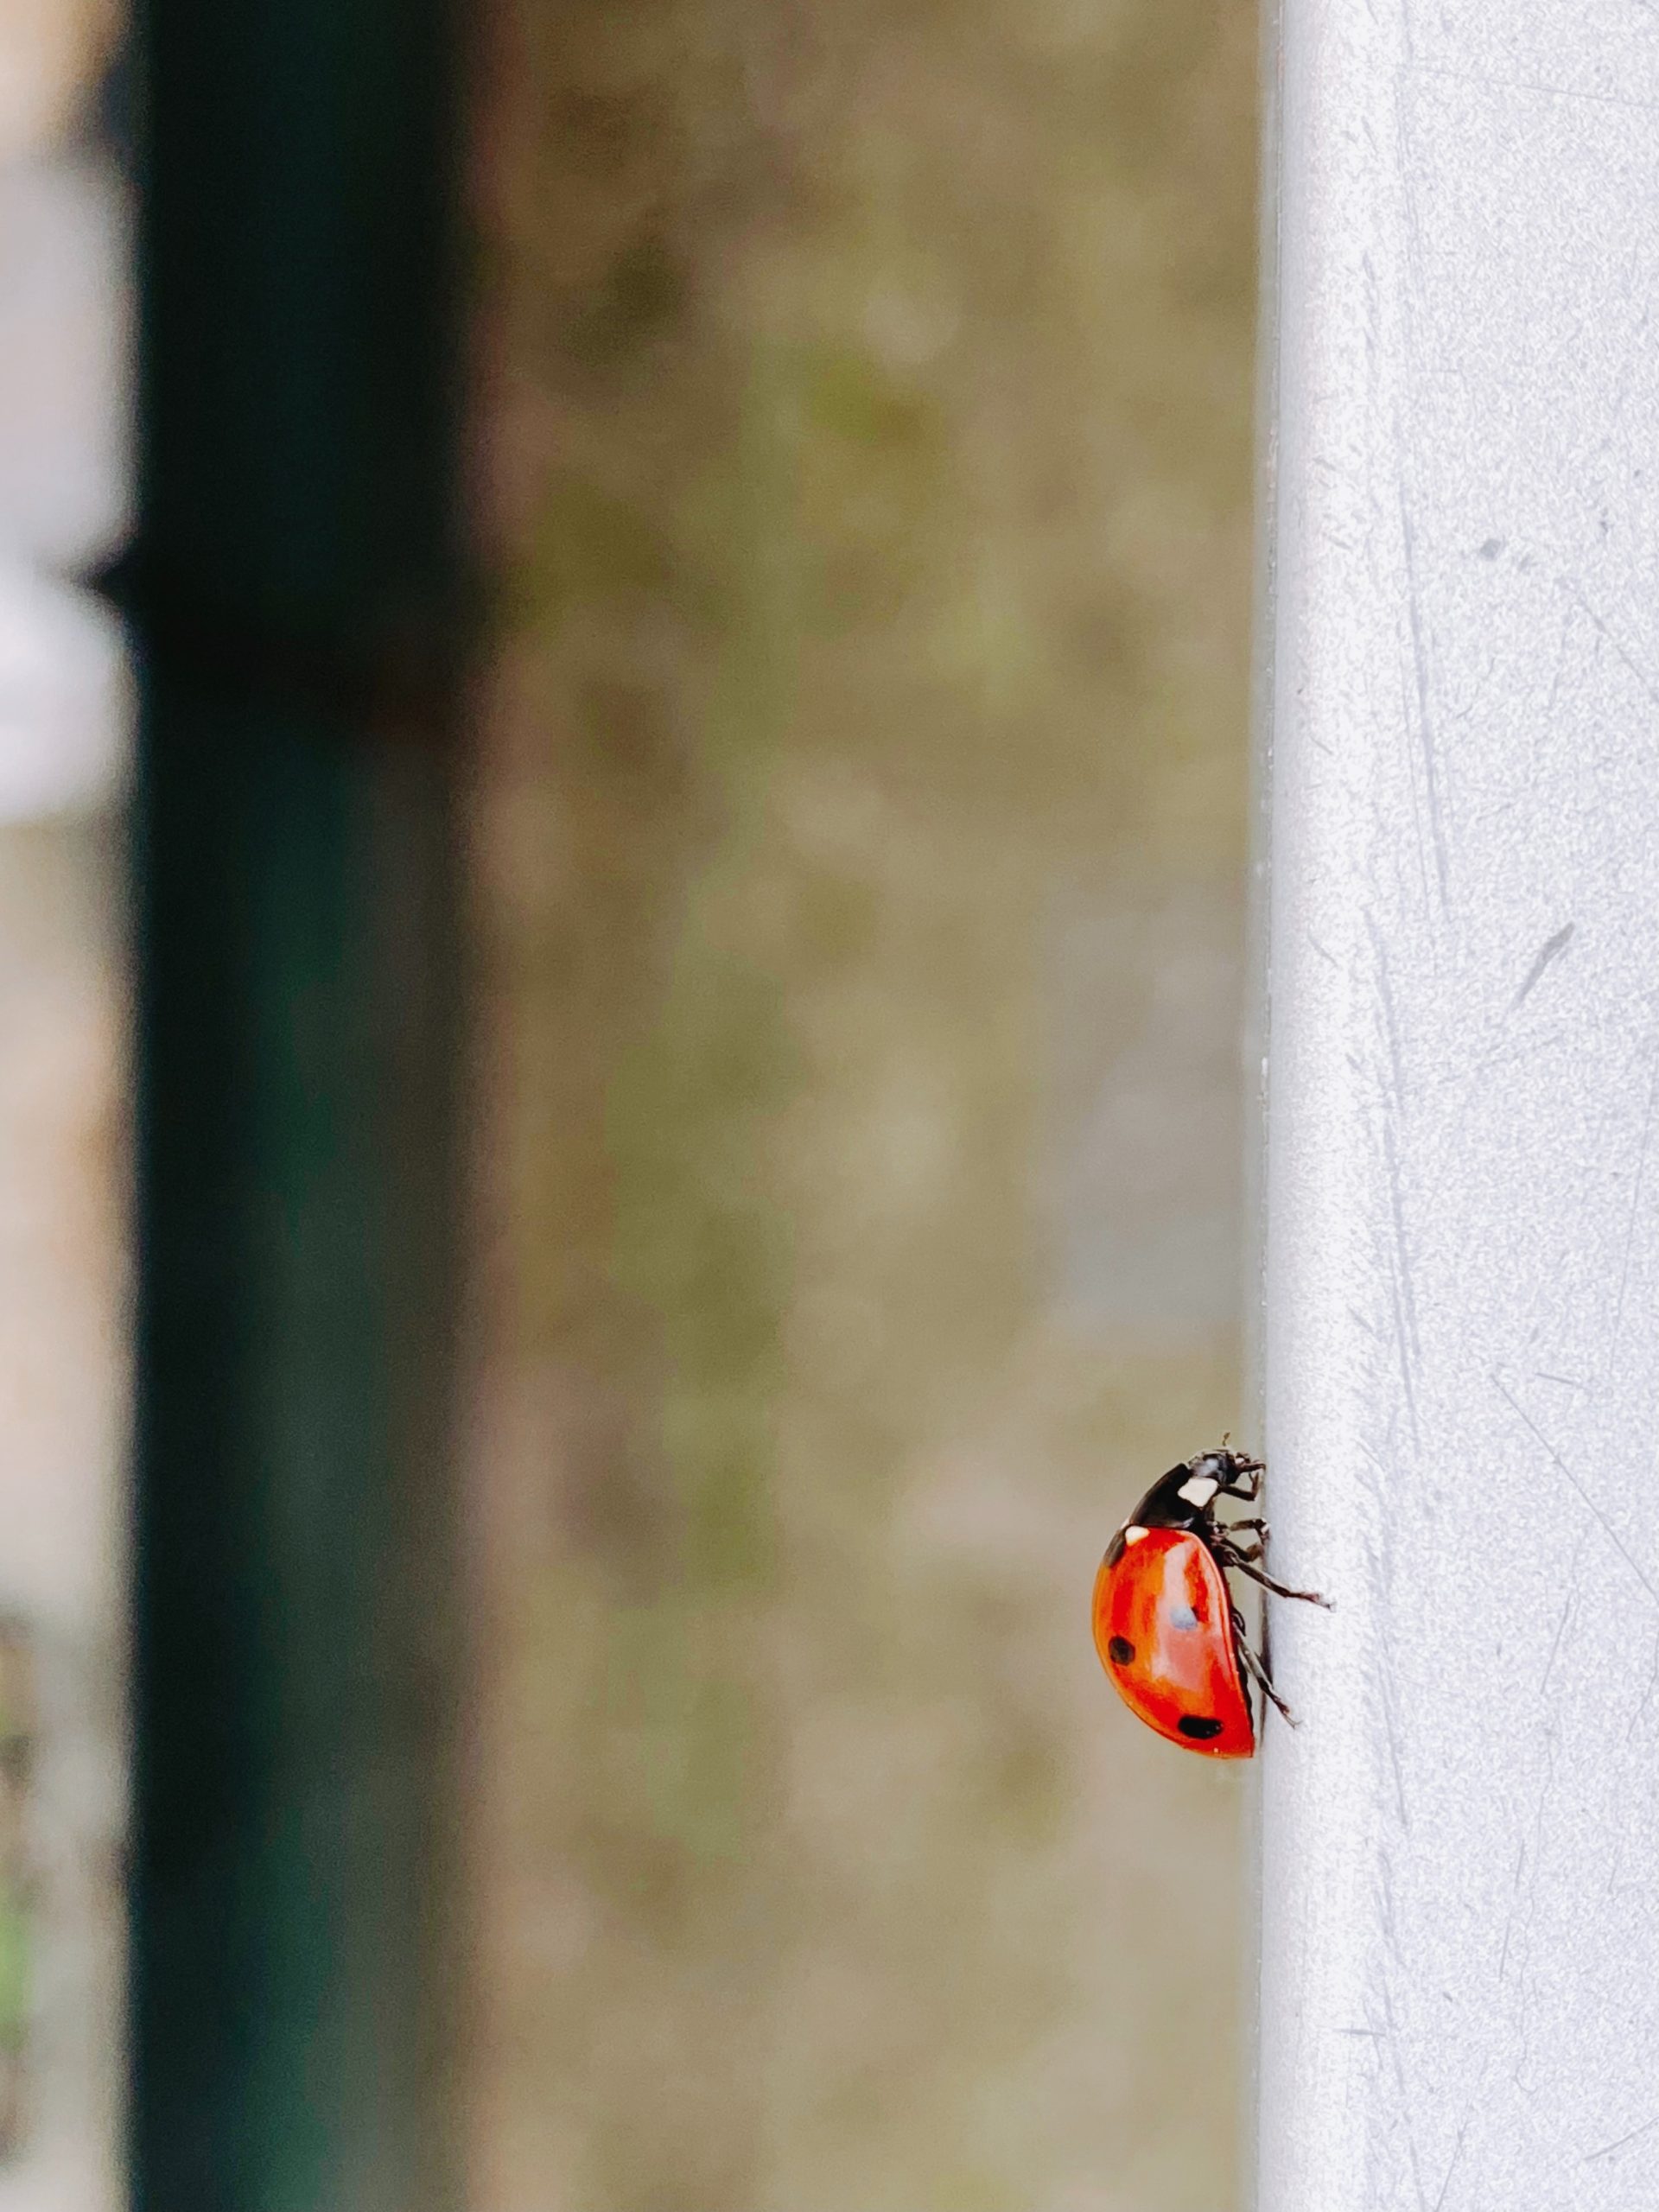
x: 1184, y: 1498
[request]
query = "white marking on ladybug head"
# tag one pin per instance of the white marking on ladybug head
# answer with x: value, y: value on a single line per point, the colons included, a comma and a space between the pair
x: 1133, y: 1535
x: 1198, y: 1490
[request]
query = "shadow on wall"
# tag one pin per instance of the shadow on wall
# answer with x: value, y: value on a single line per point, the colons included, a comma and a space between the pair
x: 863, y: 852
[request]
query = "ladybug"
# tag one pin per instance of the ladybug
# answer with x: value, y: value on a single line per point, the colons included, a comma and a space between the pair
x: 1166, y: 1626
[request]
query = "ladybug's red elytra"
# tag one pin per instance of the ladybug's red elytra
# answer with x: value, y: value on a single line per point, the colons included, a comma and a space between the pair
x: 1166, y: 1626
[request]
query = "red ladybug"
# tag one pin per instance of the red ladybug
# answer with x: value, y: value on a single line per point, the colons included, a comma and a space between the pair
x: 1166, y: 1626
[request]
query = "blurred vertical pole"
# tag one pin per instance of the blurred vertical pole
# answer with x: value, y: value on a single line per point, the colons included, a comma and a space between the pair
x: 293, y: 590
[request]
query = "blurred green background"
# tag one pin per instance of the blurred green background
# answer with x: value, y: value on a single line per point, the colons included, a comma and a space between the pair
x: 861, y: 867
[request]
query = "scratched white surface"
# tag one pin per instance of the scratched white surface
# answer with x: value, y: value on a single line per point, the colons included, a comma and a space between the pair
x: 1460, y: 1979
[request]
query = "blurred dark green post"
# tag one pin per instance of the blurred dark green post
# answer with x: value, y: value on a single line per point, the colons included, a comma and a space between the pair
x: 294, y: 593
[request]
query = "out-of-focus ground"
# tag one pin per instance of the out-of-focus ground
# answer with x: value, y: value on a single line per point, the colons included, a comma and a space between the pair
x: 861, y: 867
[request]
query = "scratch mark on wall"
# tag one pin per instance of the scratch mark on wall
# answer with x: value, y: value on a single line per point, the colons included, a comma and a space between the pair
x: 1608, y: 2148
x: 1489, y: 83
x: 1552, y: 948
x: 1456, y: 2153
x: 1420, y: 662
x: 1561, y: 1631
x: 1560, y: 661
x: 1647, y: 1697
x: 1636, y: 1197
x: 1406, y: 2104
x: 1393, y: 1735
x: 1385, y: 996
x: 1561, y: 1467
x: 1514, y: 1898
x: 1602, y: 629
x: 1404, y: 1299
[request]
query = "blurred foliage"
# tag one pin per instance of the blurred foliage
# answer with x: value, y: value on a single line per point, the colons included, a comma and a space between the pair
x: 870, y: 408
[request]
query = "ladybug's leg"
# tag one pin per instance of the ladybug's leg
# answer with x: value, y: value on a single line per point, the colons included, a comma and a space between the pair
x: 1232, y: 1528
x: 1232, y: 1555
x: 1254, y: 1665
x: 1245, y: 1480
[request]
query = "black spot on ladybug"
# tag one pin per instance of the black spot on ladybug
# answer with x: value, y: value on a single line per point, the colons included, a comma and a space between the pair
x: 1121, y: 1650
x: 1182, y: 1617
x: 1200, y: 1725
